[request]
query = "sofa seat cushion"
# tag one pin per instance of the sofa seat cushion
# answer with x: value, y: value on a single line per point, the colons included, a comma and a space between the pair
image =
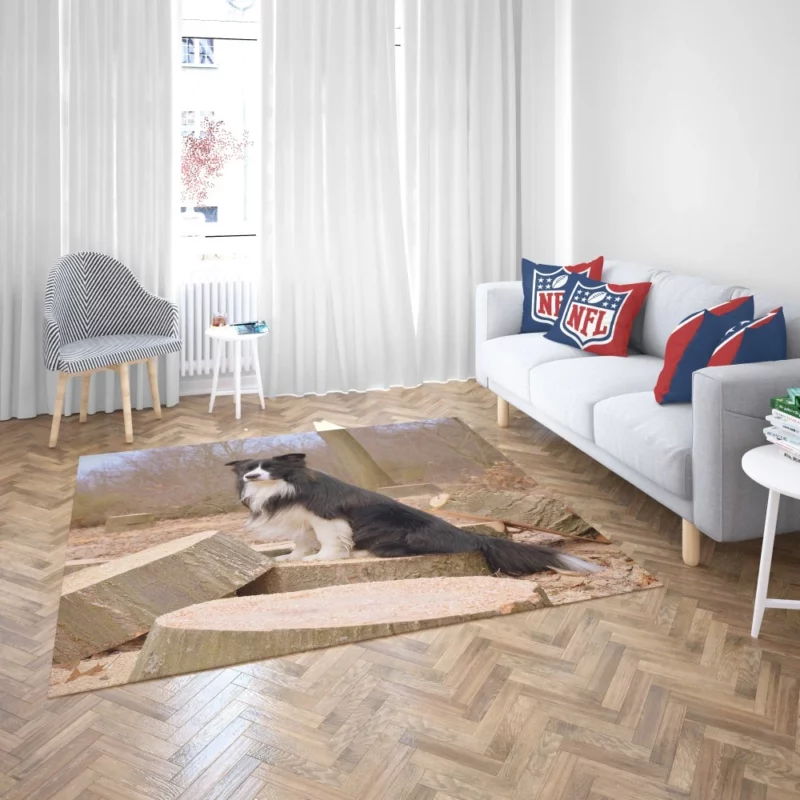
x: 508, y: 360
x: 568, y: 391
x: 652, y: 439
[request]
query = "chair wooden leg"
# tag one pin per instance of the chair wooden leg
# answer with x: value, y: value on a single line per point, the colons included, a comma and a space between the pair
x: 152, y: 372
x: 86, y: 385
x: 502, y: 412
x: 58, y: 410
x: 125, y: 387
x: 691, y: 544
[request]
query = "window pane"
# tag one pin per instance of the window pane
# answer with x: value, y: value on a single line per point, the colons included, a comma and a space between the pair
x: 206, y: 47
x: 188, y: 50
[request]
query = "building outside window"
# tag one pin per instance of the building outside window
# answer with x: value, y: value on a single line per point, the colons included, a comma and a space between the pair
x: 198, y: 52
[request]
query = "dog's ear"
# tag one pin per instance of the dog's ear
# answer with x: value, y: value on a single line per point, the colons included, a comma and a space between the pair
x: 237, y: 464
x: 292, y: 458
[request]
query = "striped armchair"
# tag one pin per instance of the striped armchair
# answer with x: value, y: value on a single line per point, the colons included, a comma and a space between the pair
x: 98, y: 316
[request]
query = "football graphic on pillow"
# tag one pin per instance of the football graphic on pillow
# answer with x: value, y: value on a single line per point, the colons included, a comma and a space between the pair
x: 597, y: 316
x: 543, y: 287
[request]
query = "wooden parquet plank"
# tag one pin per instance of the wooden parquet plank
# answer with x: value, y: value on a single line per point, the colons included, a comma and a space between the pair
x: 660, y: 695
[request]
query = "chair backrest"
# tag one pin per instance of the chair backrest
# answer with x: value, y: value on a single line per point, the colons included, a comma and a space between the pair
x: 92, y: 294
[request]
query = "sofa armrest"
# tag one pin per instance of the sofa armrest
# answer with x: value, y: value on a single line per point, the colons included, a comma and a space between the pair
x: 498, y: 312
x: 728, y: 409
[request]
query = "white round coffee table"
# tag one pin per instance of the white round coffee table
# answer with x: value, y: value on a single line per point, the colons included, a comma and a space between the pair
x: 220, y: 336
x: 768, y: 466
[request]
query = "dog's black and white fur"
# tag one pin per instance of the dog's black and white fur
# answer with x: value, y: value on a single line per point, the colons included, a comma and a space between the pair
x: 329, y: 519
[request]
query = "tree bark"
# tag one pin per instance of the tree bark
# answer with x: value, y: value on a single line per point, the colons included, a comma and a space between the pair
x: 105, y: 605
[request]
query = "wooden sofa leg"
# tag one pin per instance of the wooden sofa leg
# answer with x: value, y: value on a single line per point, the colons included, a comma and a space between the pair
x: 58, y: 410
x: 502, y: 412
x: 691, y: 544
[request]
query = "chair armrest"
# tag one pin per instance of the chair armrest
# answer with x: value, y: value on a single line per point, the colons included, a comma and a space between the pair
x: 728, y: 409
x: 157, y: 316
x: 51, y: 342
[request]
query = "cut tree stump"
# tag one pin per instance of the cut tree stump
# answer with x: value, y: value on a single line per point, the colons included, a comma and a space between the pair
x: 295, y: 576
x: 363, y: 469
x: 223, y: 632
x: 105, y: 605
x: 408, y: 490
x: 82, y: 563
x: 125, y: 522
x: 516, y: 509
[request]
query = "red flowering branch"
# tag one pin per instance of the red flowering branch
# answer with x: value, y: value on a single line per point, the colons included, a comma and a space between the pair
x: 204, y: 157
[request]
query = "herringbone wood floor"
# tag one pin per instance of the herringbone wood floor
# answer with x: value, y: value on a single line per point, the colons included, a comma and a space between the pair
x: 651, y: 696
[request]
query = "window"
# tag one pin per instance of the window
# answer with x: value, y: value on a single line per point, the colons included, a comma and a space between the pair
x: 198, y: 52
x: 209, y: 212
x: 218, y: 94
x: 191, y: 121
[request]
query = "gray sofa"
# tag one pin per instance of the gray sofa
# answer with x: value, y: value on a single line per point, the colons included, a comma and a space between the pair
x: 685, y: 456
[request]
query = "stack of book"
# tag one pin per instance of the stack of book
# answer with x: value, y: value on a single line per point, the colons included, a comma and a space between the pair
x: 784, y: 430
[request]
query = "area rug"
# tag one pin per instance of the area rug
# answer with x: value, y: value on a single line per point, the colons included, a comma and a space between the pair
x: 162, y: 578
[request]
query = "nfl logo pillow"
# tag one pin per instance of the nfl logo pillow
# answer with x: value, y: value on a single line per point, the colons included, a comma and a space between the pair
x: 762, y: 339
x: 691, y: 344
x: 543, y: 291
x: 598, y: 317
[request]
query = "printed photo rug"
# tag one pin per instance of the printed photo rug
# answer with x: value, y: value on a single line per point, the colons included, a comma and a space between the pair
x: 162, y: 578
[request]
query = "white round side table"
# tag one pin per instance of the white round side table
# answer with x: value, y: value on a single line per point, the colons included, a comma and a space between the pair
x: 220, y: 336
x: 768, y: 466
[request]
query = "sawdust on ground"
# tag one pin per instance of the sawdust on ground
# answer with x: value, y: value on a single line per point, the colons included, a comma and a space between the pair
x: 96, y: 543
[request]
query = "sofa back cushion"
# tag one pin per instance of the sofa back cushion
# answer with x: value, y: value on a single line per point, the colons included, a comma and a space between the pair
x: 673, y: 298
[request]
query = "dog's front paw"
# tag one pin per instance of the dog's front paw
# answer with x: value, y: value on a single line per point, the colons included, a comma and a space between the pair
x: 325, y: 556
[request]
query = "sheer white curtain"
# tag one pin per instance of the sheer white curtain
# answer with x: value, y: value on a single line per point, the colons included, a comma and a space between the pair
x: 337, y: 292
x: 30, y: 195
x: 86, y: 158
x: 462, y: 188
x: 119, y: 136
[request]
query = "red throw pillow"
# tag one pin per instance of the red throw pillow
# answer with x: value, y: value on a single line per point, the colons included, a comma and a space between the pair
x: 598, y: 317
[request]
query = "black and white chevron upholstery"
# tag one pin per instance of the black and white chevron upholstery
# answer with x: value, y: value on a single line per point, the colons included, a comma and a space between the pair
x: 97, y: 314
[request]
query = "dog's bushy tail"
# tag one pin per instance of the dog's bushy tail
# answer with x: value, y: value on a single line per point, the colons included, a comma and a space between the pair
x: 516, y: 558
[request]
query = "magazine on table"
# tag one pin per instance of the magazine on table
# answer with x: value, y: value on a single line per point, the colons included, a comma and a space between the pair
x: 244, y: 328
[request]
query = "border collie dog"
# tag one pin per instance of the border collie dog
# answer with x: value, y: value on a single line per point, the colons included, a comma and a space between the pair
x: 330, y: 519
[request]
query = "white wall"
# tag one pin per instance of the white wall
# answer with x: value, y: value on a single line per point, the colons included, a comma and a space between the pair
x: 686, y: 136
x: 545, y: 159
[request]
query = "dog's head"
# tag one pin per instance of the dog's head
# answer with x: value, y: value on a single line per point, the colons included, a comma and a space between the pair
x: 278, y: 468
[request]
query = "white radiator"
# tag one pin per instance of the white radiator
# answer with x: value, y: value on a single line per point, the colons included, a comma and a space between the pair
x: 198, y: 302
